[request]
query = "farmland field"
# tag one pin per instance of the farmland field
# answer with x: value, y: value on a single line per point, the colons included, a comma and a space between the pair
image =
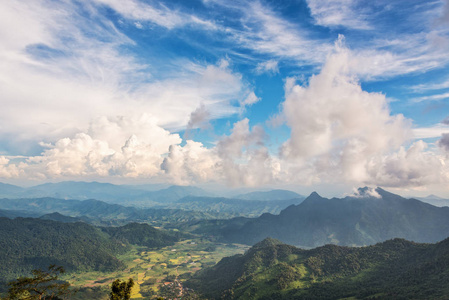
x: 154, y: 271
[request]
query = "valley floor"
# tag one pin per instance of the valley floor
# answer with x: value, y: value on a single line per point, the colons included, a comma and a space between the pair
x: 155, y: 272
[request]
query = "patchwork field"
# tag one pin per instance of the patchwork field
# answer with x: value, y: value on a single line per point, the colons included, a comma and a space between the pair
x: 155, y: 272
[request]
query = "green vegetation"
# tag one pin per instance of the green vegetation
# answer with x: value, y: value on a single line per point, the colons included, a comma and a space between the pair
x: 98, y: 212
x: 43, y: 285
x: 27, y: 244
x: 396, y: 269
x: 156, y: 272
x: 121, y: 290
x: 105, y: 262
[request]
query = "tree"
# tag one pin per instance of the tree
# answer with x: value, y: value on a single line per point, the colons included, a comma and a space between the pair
x: 44, y: 285
x: 121, y: 290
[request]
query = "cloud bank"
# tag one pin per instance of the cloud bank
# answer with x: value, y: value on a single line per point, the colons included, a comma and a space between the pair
x: 77, y: 101
x: 339, y: 133
x: 75, y: 68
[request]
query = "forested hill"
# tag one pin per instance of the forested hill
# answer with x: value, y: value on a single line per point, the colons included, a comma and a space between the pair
x: 27, y: 244
x: 357, y: 220
x: 395, y: 269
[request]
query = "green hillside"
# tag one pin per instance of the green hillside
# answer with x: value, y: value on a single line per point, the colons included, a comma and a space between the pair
x: 395, y: 269
x: 27, y: 244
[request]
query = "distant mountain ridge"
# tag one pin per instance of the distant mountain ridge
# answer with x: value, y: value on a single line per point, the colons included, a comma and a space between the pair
x: 362, y: 219
x: 96, y: 212
x: 434, y: 200
x: 229, y: 207
x: 270, y: 195
x: 10, y: 190
x: 123, y: 194
x: 187, y: 198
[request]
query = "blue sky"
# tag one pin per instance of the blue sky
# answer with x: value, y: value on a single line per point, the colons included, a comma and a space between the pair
x: 297, y: 94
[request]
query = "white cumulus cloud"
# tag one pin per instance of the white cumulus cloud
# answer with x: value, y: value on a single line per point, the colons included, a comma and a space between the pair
x: 240, y: 159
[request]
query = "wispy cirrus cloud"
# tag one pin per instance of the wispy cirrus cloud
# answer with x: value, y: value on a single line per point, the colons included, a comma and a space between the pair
x: 158, y: 14
x: 379, y: 55
x: 270, y: 34
x: 431, y: 86
x: 338, y: 13
x: 432, y: 97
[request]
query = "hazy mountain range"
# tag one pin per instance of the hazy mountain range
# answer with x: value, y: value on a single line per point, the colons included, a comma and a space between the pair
x: 141, y: 197
x: 133, y: 195
x: 111, y: 193
x: 362, y: 219
x: 368, y: 217
x: 434, y: 200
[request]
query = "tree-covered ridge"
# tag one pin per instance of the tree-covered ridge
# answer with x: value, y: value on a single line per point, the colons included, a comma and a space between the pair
x: 395, y: 269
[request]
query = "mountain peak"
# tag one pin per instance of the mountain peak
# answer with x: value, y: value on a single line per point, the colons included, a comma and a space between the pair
x: 314, y: 195
x: 368, y: 192
x: 267, y: 242
x: 313, y: 198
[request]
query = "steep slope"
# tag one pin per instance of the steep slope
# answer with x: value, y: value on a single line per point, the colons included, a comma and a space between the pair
x: 356, y: 220
x: 395, y: 269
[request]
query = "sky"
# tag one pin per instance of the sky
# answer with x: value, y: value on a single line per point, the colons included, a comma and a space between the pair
x: 308, y: 95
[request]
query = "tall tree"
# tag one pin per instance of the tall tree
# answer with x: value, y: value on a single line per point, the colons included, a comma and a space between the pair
x: 42, y: 285
x: 121, y: 290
